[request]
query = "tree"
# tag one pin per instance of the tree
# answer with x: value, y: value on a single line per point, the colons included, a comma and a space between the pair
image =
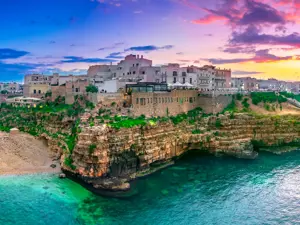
x: 91, y: 88
x: 4, y: 92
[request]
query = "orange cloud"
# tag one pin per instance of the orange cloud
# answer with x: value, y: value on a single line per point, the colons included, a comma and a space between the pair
x: 209, y: 19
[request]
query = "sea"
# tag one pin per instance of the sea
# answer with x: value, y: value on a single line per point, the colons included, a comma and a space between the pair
x: 198, y: 189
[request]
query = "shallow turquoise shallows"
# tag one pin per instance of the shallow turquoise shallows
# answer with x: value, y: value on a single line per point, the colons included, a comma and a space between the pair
x: 198, y: 189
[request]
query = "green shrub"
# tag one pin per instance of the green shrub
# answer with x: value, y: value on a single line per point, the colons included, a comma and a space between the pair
x: 91, y: 89
x: 69, y: 163
x: 92, y: 148
x: 266, y: 97
x: 197, y: 131
x: 218, y: 123
x: 245, y: 103
x: 267, y: 107
x: 239, y: 96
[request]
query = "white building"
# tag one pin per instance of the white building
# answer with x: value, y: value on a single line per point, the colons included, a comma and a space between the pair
x: 11, y: 87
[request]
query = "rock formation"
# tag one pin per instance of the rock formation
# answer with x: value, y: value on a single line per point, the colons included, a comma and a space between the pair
x: 108, y: 158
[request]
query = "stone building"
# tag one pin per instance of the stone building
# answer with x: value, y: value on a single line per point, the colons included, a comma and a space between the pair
x: 245, y: 84
x: 70, y: 89
x: 11, y: 87
x: 164, y: 103
x: 37, y: 85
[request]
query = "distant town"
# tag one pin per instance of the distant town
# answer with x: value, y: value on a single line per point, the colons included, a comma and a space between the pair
x: 137, y: 74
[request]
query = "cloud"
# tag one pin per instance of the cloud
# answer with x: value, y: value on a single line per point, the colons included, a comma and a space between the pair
x: 16, y: 71
x: 242, y: 72
x: 239, y: 49
x: 113, y: 46
x: 184, y: 60
x: 148, y: 48
x: 76, y: 59
x: 52, y: 42
x: 138, y: 12
x: 252, y: 35
x: 115, y: 55
x: 179, y: 53
x: 261, y: 56
x: 260, y: 13
x: 242, y: 12
x: 7, y: 53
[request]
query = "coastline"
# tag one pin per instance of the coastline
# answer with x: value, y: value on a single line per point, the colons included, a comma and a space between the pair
x: 29, y: 171
x: 22, y: 154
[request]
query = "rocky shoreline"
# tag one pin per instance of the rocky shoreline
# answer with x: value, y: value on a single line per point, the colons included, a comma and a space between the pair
x: 123, y: 155
x: 107, y: 159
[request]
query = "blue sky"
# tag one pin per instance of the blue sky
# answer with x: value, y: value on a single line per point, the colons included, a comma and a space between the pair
x: 257, y: 38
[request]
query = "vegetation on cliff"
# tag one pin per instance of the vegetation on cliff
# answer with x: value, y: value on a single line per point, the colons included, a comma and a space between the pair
x: 57, y: 120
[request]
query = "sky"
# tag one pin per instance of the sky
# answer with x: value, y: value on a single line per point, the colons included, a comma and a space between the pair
x: 252, y: 38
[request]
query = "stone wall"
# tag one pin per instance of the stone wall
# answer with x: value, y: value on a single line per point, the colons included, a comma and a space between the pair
x: 214, y: 105
x: 108, y: 98
x: 164, y: 103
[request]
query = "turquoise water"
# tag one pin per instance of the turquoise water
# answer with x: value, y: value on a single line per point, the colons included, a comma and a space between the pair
x: 198, y: 189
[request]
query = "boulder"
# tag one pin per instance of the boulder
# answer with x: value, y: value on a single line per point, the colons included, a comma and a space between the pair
x: 62, y: 176
x: 14, y: 131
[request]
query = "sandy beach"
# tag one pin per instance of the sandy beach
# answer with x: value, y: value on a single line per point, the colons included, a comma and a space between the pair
x: 24, y: 154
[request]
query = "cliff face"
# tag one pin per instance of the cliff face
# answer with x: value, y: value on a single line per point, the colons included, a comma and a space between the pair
x: 108, y: 158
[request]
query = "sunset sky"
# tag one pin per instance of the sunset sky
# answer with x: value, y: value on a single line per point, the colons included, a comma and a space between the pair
x: 254, y: 38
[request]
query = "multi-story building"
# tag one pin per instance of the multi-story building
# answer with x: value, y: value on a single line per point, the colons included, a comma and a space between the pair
x: 37, y: 85
x: 245, y: 84
x: 70, y: 89
x: 11, y: 87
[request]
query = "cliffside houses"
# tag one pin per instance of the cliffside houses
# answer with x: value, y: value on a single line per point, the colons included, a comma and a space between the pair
x: 248, y: 84
x: 11, y: 87
x: 132, y: 70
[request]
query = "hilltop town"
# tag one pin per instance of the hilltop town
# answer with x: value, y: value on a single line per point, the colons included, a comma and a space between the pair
x: 156, y: 89
x: 120, y: 122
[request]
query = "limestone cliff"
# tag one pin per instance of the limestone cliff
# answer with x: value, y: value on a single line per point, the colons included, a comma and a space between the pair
x: 108, y: 158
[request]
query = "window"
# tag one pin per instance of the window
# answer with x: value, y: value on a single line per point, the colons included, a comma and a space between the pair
x: 191, y: 80
x: 76, y: 89
x: 183, y: 74
x: 162, y: 100
x: 137, y: 101
x: 143, y: 72
x: 148, y: 101
x: 174, y: 80
x: 39, y: 91
x: 137, y: 65
x: 177, y: 99
x: 159, y: 100
x: 133, y: 72
x: 132, y: 65
x: 183, y: 80
x: 34, y: 91
x: 174, y: 73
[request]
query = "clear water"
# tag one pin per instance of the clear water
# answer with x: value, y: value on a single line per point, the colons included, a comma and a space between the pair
x: 197, y: 190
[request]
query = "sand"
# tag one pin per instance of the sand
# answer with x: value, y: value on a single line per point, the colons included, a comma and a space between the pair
x: 22, y: 154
